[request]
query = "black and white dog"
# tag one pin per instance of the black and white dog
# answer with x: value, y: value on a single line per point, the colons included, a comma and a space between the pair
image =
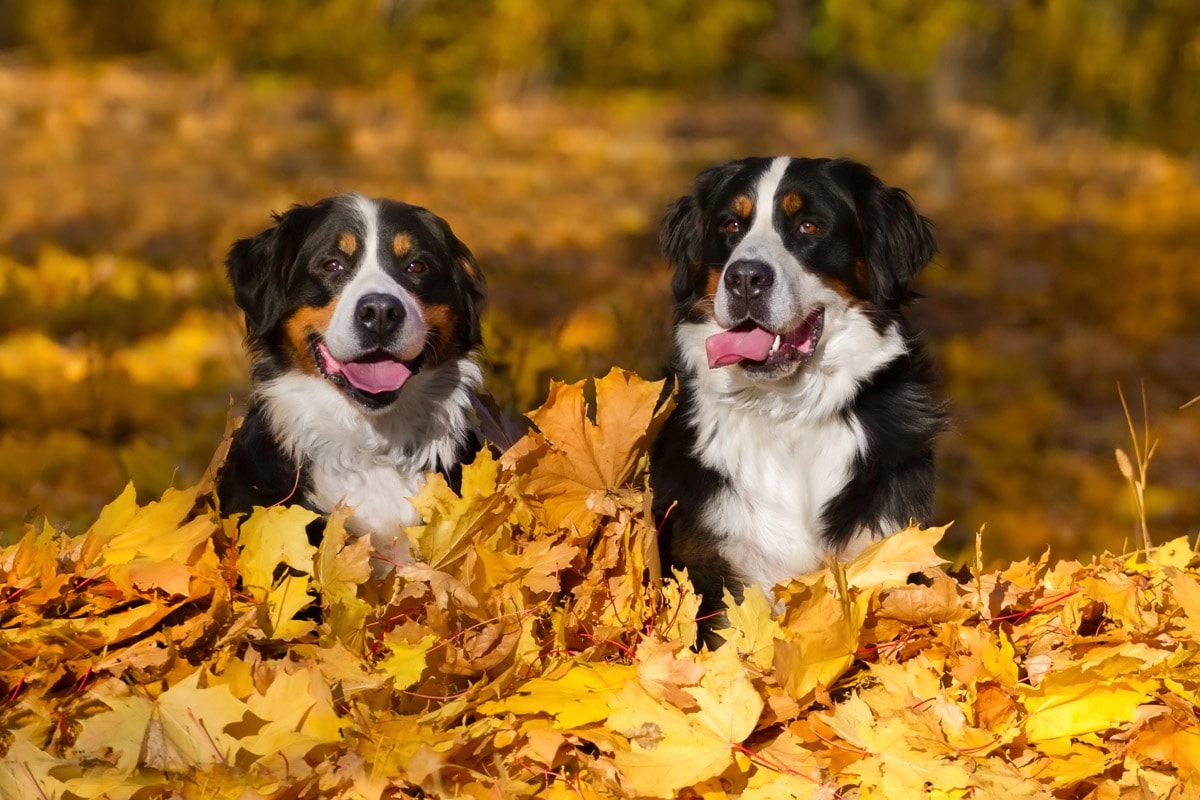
x: 806, y: 418
x: 362, y: 319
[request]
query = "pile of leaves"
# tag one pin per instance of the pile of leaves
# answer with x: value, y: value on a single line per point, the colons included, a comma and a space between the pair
x: 535, y: 650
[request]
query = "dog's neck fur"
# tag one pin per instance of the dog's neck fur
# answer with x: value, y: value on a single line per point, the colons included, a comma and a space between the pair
x: 372, y: 462
x: 785, y: 449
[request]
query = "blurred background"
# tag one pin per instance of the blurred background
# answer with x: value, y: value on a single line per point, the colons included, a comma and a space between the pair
x: 1053, y: 142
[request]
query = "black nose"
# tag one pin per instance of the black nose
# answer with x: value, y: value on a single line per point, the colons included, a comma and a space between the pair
x: 746, y: 280
x: 381, y: 314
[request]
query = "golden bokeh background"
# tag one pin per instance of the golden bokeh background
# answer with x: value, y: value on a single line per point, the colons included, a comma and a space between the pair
x: 1053, y: 143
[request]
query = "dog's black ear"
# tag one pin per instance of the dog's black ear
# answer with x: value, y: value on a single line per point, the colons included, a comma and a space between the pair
x: 682, y: 234
x: 680, y: 242
x: 475, y: 288
x: 468, y: 277
x: 258, y: 267
x: 898, y: 241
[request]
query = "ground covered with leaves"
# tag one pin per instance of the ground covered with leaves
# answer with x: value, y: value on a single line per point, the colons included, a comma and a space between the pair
x: 534, y: 650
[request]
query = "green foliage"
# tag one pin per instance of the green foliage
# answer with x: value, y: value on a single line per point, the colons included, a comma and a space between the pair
x: 1127, y: 63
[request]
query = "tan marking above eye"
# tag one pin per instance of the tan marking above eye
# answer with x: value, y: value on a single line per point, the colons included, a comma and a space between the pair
x: 743, y: 206
x: 401, y: 244
x: 347, y: 242
x: 792, y: 203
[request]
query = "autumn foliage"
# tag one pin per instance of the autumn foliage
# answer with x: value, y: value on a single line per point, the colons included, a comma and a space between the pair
x: 535, y: 651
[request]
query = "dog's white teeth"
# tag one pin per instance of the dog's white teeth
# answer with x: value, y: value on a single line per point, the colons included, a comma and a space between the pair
x: 775, y: 344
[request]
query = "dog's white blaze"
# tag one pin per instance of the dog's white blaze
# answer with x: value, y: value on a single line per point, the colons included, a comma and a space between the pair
x: 370, y: 278
x: 373, y: 463
x: 763, y: 243
x: 786, y: 442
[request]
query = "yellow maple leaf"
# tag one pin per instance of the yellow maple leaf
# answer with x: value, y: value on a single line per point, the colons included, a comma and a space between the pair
x: 752, y: 627
x: 821, y: 635
x: 575, y: 474
x: 924, y: 605
x: 406, y: 660
x: 890, y: 766
x: 453, y: 522
x: 1079, y: 700
x: 1165, y: 740
x: 663, y: 670
x: 1186, y: 591
x: 891, y: 560
x: 184, y: 727
x: 676, y: 619
x: 1177, y: 553
x: 574, y: 696
x: 298, y: 712
x: 156, y: 531
x: 272, y: 537
x: 342, y: 565
x: 1067, y: 761
x: 273, y: 541
x: 669, y: 748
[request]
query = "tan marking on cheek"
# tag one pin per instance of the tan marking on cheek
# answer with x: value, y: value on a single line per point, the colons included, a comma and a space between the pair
x: 713, y: 282
x: 860, y: 275
x: 743, y: 206
x: 300, y: 326
x: 442, y: 321
x: 347, y: 242
x: 705, y: 308
x: 844, y: 291
x: 792, y: 203
x: 401, y: 244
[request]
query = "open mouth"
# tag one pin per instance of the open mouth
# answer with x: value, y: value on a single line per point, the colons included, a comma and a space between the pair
x: 752, y: 346
x: 374, y: 379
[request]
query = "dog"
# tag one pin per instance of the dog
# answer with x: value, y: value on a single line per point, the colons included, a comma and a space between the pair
x: 362, y: 322
x: 806, y: 416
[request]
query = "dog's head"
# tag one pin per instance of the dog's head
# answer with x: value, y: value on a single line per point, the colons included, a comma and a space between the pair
x: 779, y: 255
x: 363, y: 293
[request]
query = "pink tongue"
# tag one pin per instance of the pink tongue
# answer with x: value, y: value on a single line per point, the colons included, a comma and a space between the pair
x: 371, y: 377
x: 374, y: 377
x: 730, y: 347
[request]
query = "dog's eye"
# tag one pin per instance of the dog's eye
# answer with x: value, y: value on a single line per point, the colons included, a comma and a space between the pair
x: 809, y: 228
x: 333, y: 265
x: 731, y: 226
x: 415, y: 267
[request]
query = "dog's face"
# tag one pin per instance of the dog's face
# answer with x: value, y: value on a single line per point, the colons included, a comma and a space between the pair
x: 779, y: 256
x: 362, y: 293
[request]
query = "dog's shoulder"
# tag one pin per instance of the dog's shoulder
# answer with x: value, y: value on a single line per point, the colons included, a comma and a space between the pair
x: 257, y: 471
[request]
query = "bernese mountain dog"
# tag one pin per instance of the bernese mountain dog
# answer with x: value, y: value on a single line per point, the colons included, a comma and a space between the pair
x: 806, y: 414
x: 362, y: 321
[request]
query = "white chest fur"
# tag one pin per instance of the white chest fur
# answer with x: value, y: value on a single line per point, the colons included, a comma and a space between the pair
x: 770, y: 514
x: 372, y: 462
x: 786, y: 450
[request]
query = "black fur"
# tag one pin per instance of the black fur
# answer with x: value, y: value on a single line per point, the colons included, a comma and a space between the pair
x: 279, y: 273
x: 871, y: 232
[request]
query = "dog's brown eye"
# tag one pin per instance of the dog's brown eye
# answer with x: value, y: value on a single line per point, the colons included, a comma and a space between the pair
x: 731, y: 226
x: 809, y: 227
x: 333, y: 265
x: 416, y: 267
